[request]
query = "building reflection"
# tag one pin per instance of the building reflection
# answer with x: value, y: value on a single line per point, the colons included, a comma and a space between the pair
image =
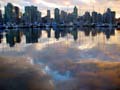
x: 1, y: 37
x: 95, y: 31
x: 33, y: 35
x: 49, y: 33
x: 86, y: 31
x: 12, y: 37
x: 74, y: 32
x: 109, y: 32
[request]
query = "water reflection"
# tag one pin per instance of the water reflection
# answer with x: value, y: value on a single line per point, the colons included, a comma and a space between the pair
x: 13, y: 36
x: 71, y: 56
x: 1, y: 37
x: 33, y: 35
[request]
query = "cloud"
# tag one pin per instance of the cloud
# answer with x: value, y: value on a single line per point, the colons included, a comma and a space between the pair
x: 84, y: 5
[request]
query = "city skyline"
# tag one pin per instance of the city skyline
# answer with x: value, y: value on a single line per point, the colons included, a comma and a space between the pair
x: 32, y: 15
x: 97, y: 5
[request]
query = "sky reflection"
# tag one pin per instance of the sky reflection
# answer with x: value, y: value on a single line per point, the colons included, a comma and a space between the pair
x: 77, y: 56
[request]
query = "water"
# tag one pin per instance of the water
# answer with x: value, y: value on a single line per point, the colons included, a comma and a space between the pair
x: 68, y: 54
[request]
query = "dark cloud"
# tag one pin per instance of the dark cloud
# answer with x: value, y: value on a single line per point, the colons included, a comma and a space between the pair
x: 18, y: 74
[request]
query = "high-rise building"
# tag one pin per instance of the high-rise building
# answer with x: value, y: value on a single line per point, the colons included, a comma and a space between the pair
x: 70, y: 17
x: 113, y: 15
x: 100, y: 18
x: 16, y: 14
x: 27, y: 14
x: 87, y: 18
x: 94, y: 17
x: 63, y: 16
x: 31, y: 15
x: 39, y: 17
x: 48, y: 15
x: 9, y: 13
x: 34, y: 14
x: 75, y: 12
x: 109, y: 16
x: 57, y: 15
x: 1, y: 19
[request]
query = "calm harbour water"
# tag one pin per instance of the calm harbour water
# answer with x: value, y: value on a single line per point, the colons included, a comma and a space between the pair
x: 64, y: 53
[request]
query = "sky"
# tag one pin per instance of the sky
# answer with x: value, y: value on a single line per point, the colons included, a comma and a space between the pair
x: 83, y: 5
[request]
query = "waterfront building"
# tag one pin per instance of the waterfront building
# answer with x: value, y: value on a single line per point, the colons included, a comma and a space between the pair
x: 39, y: 15
x: 109, y: 16
x: 16, y: 15
x: 57, y: 15
x: 9, y: 13
x: 94, y: 17
x: 31, y: 15
x: 75, y: 12
x: 70, y: 17
x: 48, y: 16
x: 1, y: 18
x: 63, y: 16
x: 99, y: 18
x: 87, y: 18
